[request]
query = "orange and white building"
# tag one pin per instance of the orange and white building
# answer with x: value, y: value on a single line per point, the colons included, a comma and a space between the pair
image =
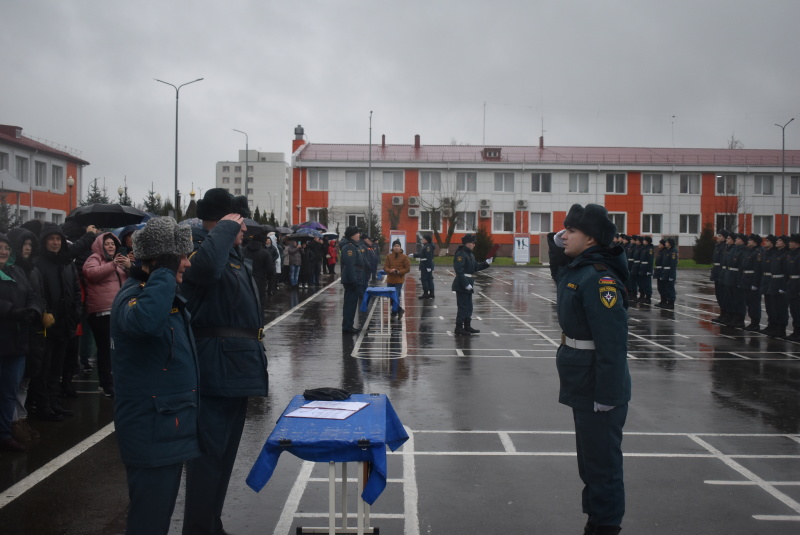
x: 40, y: 181
x: 527, y: 190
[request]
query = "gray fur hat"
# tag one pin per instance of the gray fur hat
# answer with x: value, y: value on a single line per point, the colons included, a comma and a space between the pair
x: 162, y: 236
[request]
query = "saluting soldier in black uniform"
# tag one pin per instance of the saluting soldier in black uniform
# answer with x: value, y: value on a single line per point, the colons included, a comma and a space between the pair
x: 793, y: 285
x: 425, y: 257
x: 465, y: 266
x: 592, y: 358
x: 353, y: 273
x: 751, y: 280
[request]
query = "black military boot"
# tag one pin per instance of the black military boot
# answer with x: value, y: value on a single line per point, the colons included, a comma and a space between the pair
x: 607, y: 530
x: 737, y: 322
x: 670, y: 305
x: 424, y: 295
x: 647, y: 300
x: 753, y: 327
x: 779, y: 332
x: 460, y: 329
x: 589, y: 529
x: 468, y: 327
x: 795, y: 336
x: 431, y: 296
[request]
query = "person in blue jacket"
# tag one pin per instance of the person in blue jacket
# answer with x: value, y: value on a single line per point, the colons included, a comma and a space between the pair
x: 425, y: 257
x: 154, y: 361
x: 224, y: 302
x: 592, y: 304
x: 465, y: 267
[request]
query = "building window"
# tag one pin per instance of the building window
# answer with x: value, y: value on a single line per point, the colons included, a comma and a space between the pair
x: 39, y: 215
x: 725, y: 221
x: 355, y: 180
x: 690, y: 184
x: 726, y: 184
x: 249, y: 191
x: 313, y: 214
x: 393, y: 181
x: 4, y: 161
x: 357, y: 220
x: 615, y: 183
x: 237, y: 191
x: 579, y: 182
x: 249, y: 180
x: 22, y: 169
x: 653, y: 184
x: 541, y: 182
x: 762, y: 224
x: 466, y: 181
x: 794, y: 224
x: 430, y: 220
x: 651, y: 223
x: 226, y: 180
x: 466, y: 221
x: 57, y: 178
x: 794, y: 183
x: 238, y: 168
x: 23, y: 216
x: 57, y: 218
x: 503, y: 222
x: 504, y: 182
x: 40, y: 174
x: 619, y: 221
x: 237, y: 180
x: 430, y: 181
x: 540, y: 222
x: 226, y: 168
x: 762, y: 185
x: 690, y: 224
x: 249, y: 168
x: 318, y: 179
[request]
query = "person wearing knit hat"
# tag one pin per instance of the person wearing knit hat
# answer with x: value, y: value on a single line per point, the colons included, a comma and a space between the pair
x: 750, y: 282
x: 793, y: 285
x: 592, y: 306
x: 775, y: 275
x: 156, y: 380
x: 465, y: 266
x: 353, y: 266
x: 396, y: 265
x: 227, y: 322
x: 425, y: 257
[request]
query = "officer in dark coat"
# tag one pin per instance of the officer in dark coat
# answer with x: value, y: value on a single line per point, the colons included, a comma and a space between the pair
x: 425, y: 257
x: 669, y: 272
x: 592, y: 358
x: 657, y: 268
x: 716, y: 258
x: 353, y: 272
x: 227, y: 324
x: 793, y: 285
x: 465, y: 266
x: 751, y: 280
x: 154, y: 360
x: 633, y: 265
x: 766, y: 279
x: 733, y: 276
x: 646, y: 270
x: 778, y: 311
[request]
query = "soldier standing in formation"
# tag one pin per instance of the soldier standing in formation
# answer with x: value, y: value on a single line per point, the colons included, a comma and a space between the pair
x: 669, y: 272
x: 353, y: 273
x: 716, y: 269
x: 793, y: 285
x: 646, y: 270
x: 465, y: 266
x: 751, y: 280
x: 777, y: 306
x: 658, y: 265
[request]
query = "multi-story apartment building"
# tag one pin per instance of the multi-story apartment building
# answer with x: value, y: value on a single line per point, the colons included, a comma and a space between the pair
x: 39, y: 180
x: 514, y: 191
x: 266, y: 182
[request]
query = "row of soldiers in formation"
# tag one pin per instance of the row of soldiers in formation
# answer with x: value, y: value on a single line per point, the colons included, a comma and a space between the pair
x: 645, y: 263
x: 747, y: 267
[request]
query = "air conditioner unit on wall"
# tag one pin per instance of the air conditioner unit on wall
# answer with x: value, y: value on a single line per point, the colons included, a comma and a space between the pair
x: 486, y: 203
x: 413, y: 212
x: 447, y: 212
x: 397, y: 200
x: 413, y: 201
x: 485, y: 213
x: 522, y: 204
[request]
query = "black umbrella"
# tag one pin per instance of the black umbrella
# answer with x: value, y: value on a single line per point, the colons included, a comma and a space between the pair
x: 107, y: 215
x: 284, y: 230
x: 268, y: 228
x: 253, y: 226
x: 299, y: 237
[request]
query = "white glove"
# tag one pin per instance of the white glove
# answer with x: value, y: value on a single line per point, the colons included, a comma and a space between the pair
x: 429, y: 270
x: 781, y: 292
x: 490, y: 260
x: 411, y: 255
x: 327, y: 256
x: 469, y: 287
x: 599, y: 407
x: 557, y: 238
x: 753, y: 288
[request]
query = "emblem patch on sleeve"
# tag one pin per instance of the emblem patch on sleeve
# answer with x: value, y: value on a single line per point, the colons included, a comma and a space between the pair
x: 607, y: 281
x: 132, y: 302
x: 608, y: 296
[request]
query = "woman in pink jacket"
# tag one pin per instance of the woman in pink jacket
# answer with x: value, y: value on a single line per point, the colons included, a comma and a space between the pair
x: 105, y: 272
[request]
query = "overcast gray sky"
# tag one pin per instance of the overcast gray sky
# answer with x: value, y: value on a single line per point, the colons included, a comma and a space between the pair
x: 598, y: 72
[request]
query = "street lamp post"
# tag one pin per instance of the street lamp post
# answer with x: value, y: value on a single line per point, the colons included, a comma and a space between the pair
x: 369, y: 200
x: 70, y: 184
x: 246, y: 156
x: 783, y: 173
x: 177, y: 96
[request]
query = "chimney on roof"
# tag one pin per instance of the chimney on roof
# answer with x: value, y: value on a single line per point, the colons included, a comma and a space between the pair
x: 298, y: 132
x: 383, y: 141
x: 18, y: 133
x: 299, y: 138
x: 541, y: 142
x: 416, y: 141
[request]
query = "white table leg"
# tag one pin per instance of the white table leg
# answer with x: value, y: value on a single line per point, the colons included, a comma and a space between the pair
x: 344, y: 496
x: 331, y: 498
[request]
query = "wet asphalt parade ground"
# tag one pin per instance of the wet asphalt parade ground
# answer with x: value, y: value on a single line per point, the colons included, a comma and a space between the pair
x: 712, y: 440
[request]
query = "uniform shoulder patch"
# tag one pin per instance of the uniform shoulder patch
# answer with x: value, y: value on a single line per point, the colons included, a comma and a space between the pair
x: 608, y: 296
x: 606, y: 280
x: 349, y: 252
x: 459, y: 259
x: 131, y: 301
x: 572, y: 286
x: 600, y: 267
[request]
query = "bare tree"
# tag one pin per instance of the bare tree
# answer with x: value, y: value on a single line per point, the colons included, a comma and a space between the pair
x: 443, y: 205
x: 734, y: 143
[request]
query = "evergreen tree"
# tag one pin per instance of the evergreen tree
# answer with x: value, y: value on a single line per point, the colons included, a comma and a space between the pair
x: 152, y: 203
x: 95, y: 195
x: 8, y: 219
x: 257, y: 215
x: 703, y: 249
x: 483, y: 244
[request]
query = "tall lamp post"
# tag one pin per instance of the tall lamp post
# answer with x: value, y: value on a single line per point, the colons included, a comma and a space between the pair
x: 783, y: 173
x: 70, y: 184
x: 246, y: 156
x: 369, y: 200
x: 177, y: 96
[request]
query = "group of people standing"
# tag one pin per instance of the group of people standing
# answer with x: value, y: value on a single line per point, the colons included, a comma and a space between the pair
x: 645, y: 263
x: 747, y: 267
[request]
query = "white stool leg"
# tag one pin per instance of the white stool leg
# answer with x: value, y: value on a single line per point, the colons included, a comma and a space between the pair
x: 344, y: 496
x: 331, y: 498
x: 360, y: 523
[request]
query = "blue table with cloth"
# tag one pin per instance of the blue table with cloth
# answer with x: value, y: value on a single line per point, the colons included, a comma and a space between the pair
x: 380, y: 291
x: 323, y: 440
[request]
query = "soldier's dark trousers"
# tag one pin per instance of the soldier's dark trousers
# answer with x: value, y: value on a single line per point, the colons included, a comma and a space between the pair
x: 464, y: 303
x: 720, y: 293
x: 781, y: 310
x: 646, y: 285
x: 669, y: 287
x: 221, y: 422
x: 350, y: 305
x: 660, y: 287
x: 738, y: 301
x: 794, y: 309
x: 753, y: 301
x: 598, y: 439
x: 427, y: 280
x: 152, y: 493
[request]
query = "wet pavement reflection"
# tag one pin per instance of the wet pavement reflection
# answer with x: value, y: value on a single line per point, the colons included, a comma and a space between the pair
x: 712, y: 440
